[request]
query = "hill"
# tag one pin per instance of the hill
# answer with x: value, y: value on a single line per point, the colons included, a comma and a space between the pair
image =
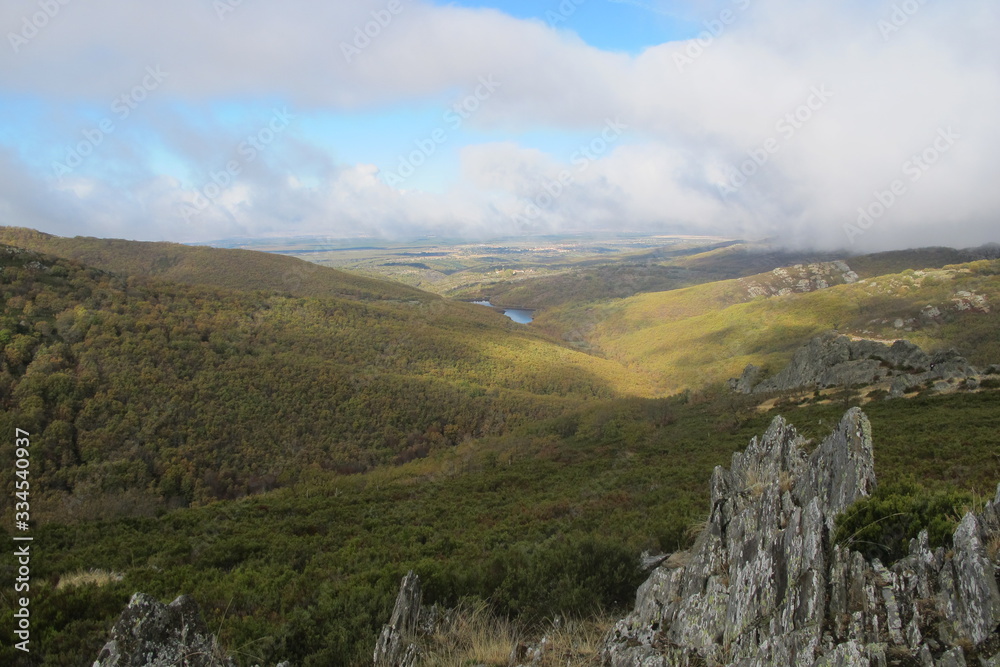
x: 688, y: 337
x: 670, y: 268
x: 143, y: 394
x: 285, y: 458
x: 201, y: 265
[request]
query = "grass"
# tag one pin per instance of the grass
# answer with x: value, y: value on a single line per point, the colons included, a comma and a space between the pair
x: 993, y: 548
x: 92, y: 577
x: 475, y: 635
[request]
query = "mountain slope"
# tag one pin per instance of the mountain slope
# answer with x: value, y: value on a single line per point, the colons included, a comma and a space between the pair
x: 688, y: 337
x: 201, y: 265
x: 142, y: 393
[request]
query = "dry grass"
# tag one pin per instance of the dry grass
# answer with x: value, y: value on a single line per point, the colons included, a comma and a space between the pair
x: 993, y: 548
x: 678, y: 559
x: 754, y: 482
x: 93, y: 577
x: 695, y: 529
x: 476, y: 636
x: 786, y: 481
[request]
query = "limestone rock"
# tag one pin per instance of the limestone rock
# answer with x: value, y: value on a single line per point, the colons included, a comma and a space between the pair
x: 765, y: 587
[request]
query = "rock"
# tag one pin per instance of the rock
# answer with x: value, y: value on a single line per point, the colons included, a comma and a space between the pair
x: 647, y: 560
x: 832, y: 360
x: 152, y: 634
x: 992, y: 370
x: 746, y: 382
x: 764, y: 585
x: 394, y: 648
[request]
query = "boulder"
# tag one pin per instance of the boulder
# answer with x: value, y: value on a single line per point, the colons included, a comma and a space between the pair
x: 150, y: 633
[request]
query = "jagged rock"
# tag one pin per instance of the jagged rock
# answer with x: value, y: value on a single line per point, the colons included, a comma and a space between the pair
x: 992, y: 370
x: 746, y: 382
x: 833, y: 360
x: 647, y: 560
x: 394, y: 648
x: 152, y: 634
x: 764, y: 586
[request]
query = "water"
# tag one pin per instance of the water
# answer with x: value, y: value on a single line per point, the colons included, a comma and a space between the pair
x: 518, y: 315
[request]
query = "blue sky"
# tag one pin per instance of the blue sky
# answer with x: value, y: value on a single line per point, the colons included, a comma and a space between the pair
x: 623, y: 25
x: 187, y: 123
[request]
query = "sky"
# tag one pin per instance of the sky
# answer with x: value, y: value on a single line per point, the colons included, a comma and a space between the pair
x: 862, y: 125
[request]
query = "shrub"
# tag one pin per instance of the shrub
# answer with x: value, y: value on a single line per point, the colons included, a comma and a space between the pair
x: 882, y: 525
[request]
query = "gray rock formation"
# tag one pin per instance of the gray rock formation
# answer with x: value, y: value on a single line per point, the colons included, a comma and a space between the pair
x: 833, y: 360
x: 764, y: 586
x: 394, y: 648
x: 152, y: 634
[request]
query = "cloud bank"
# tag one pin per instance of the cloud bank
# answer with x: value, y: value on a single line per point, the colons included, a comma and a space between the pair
x: 866, y: 125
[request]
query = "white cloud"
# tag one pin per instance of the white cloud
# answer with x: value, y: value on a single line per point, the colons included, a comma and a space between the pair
x: 892, y: 92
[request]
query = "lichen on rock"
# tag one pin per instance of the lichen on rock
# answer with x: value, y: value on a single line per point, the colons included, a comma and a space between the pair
x: 764, y: 585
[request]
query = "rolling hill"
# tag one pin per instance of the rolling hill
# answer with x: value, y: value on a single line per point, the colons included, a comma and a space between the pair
x: 689, y: 337
x: 145, y: 393
x: 202, y: 265
x: 285, y: 457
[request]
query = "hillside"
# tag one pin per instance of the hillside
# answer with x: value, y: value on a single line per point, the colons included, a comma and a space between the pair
x: 144, y: 394
x: 669, y: 269
x: 688, y: 337
x: 217, y: 267
x: 546, y: 521
x: 285, y: 459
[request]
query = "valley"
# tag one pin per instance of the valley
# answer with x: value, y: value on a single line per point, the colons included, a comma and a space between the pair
x: 284, y: 440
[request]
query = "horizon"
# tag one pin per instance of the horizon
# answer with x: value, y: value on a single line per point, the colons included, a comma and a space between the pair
x: 861, y: 126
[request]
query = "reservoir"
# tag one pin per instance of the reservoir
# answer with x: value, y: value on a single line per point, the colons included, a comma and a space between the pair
x: 517, y: 314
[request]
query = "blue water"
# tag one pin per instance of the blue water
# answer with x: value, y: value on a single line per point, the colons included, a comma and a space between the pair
x: 516, y: 314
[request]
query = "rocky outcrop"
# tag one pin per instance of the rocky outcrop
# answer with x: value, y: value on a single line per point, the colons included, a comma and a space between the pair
x: 394, y: 648
x: 833, y: 360
x: 764, y: 586
x: 799, y: 278
x: 152, y: 634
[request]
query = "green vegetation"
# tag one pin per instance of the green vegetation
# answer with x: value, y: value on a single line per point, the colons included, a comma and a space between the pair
x: 543, y: 521
x: 143, y: 394
x: 882, y: 525
x: 229, y: 269
x: 285, y: 457
x: 687, y: 337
